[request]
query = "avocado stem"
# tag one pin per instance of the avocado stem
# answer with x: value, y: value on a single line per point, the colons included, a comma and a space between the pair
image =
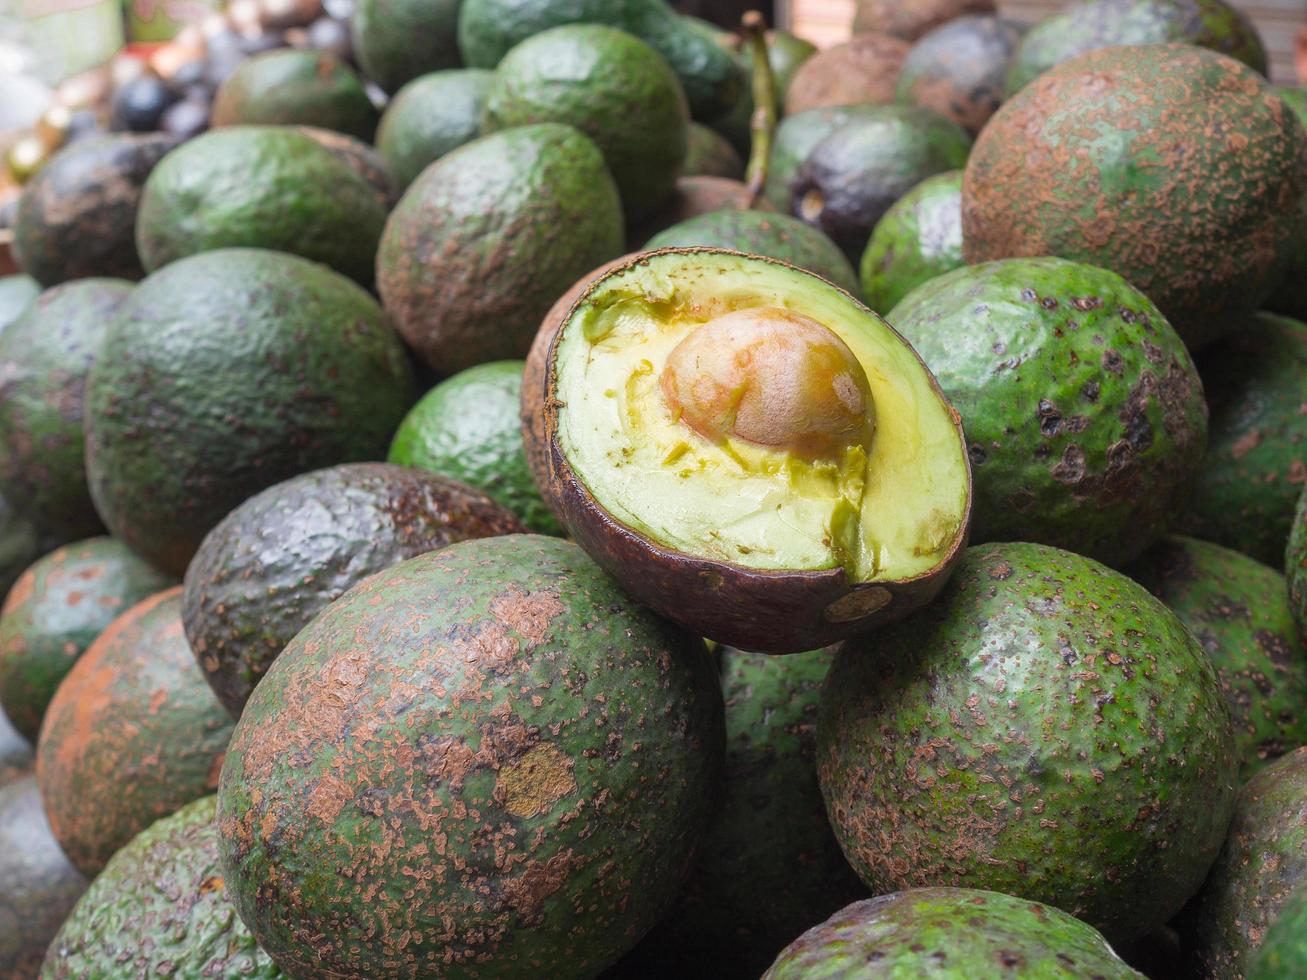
x: 763, y: 120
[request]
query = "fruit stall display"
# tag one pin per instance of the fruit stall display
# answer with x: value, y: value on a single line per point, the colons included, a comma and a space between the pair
x: 561, y: 489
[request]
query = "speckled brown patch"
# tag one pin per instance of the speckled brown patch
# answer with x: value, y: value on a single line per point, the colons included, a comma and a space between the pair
x: 532, y: 783
x: 864, y: 69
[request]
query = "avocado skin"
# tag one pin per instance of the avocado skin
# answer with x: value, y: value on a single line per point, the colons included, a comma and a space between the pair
x: 225, y: 373
x: 293, y: 86
x: 910, y: 19
x: 693, y: 197
x: 1112, y: 810
x: 793, y: 140
x: 22, y: 541
x: 430, y: 116
x: 16, y: 295
x: 77, y: 215
x: 1070, y: 152
x: 1084, y: 415
x: 285, y: 554
x: 1283, y: 953
x: 360, y: 157
x: 489, y: 236
x: 1295, y: 564
x: 45, y: 356
x: 268, y: 187
x: 1290, y: 296
x: 54, y: 613
x: 1238, y: 610
x: 472, y: 669
x: 917, y: 239
x: 950, y: 934
x: 1257, y: 448
x: 16, y: 758
x: 710, y: 154
x: 862, y: 70
x: 957, y: 69
x: 395, y: 41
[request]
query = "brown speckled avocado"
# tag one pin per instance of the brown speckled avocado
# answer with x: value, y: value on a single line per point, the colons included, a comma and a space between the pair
x: 910, y: 19
x: 863, y: 69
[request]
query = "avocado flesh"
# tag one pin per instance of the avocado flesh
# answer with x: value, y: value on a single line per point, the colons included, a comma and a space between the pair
x: 888, y: 507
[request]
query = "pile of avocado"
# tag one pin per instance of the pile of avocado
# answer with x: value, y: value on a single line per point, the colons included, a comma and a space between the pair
x: 563, y: 489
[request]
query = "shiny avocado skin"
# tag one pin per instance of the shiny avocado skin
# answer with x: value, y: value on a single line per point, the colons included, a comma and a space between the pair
x: 430, y: 116
x: 793, y: 140
x: 292, y: 86
x: 395, y: 41
x: 917, y: 239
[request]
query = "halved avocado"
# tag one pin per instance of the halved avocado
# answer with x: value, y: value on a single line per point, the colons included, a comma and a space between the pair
x: 749, y: 450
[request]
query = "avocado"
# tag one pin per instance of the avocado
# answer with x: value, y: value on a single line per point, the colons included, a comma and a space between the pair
x: 862, y: 69
x: 786, y: 53
x: 1084, y: 415
x: 290, y: 86
x: 1045, y: 728
x: 776, y: 236
x: 793, y: 140
x: 958, y: 68
x: 709, y: 154
x: 77, y: 215
x: 396, y: 41
x: 1105, y: 156
x: 488, y: 237
x: 40, y: 886
x: 949, y: 933
x: 1290, y: 296
x: 159, y: 908
x: 16, y: 295
x: 499, y: 716
x: 54, y: 613
x: 918, y: 238
x: 1256, y: 460
x: 268, y: 187
x: 911, y: 19
x: 430, y: 116
x: 1283, y: 953
x: 711, y: 78
x: 225, y: 373
x: 1263, y: 861
x: 1092, y: 24
x: 1238, y: 609
x: 285, y: 554
x: 360, y: 157
x: 614, y: 88
x: 132, y: 734
x: 694, y: 197
x: 22, y: 541
x: 732, y: 438
x: 1295, y: 564
x: 16, y: 758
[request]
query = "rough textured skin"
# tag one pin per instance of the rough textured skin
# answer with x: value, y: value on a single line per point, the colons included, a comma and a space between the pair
x: 694, y: 196
x: 1290, y: 296
x: 40, y: 886
x: 16, y: 295
x: 1084, y: 415
x: 22, y: 541
x: 360, y: 157
x: 133, y: 734
x: 1238, y: 610
x: 949, y: 934
x: 489, y: 236
x: 1107, y: 155
x: 777, y: 236
x: 285, y: 554
x: 614, y: 88
x: 958, y: 68
x: 292, y: 86
x: 268, y: 187
x: 917, y: 239
x: 395, y: 41
x: 1092, y: 24
x: 77, y: 216
x: 793, y: 140
x: 45, y: 356
x: 1295, y: 564
x: 16, y: 758
x: 710, y: 154
x: 1283, y: 953
x: 228, y: 372
x: 56, y: 611
x: 1256, y: 465
x: 486, y: 761
x: 160, y: 908
x: 910, y: 19
x: 1263, y: 861
x: 864, y: 69
x: 430, y: 116
x: 851, y: 177
x: 1047, y: 729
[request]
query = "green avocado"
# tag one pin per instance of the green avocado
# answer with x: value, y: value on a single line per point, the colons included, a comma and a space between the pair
x: 1238, y: 610
x: 270, y: 187
x: 1084, y: 415
x: 917, y: 239
x: 395, y: 41
x: 786, y: 53
x: 499, y: 717
x: 1295, y: 564
x: 22, y: 541
x: 225, y: 373
x: 710, y: 154
x: 911, y: 19
x: 958, y: 68
x: 430, y: 116
x: 489, y: 236
x: 16, y: 758
x: 295, y: 86
x: 1290, y: 296
x: 1045, y: 728
x: 793, y: 140
x: 285, y: 554
x: 614, y: 88
x: 360, y: 157
x: 1283, y: 953
x: 16, y: 295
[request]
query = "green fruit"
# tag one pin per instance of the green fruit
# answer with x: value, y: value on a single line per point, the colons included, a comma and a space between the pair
x: 430, y: 116
x: 1107, y: 156
x: 1283, y: 953
x: 710, y: 154
x: 1046, y: 729
x: 910, y: 19
x: 611, y: 86
x: 489, y: 236
x: 16, y: 295
x: 16, y: 758
x: 1290, y: 296
x: 513, y: 761
x: 1238, y: 610
x: 287, y: 553
x: 785, y: 54
x: 395, y: 41
x: 159, y: 908
x: 695, y: 196
x: 949, y: 934
x: 295, y: 86
x: 1295, y: 564
x: 225, y: 373
x: 863, y: 69
x: 1084, y: 415
x: 55, y: 611
x: 917, y: 239
x: 268, y: 187
x: 957, y: 69
x: 363, y: 159
x: 793, y: 140
x: 22, y: 541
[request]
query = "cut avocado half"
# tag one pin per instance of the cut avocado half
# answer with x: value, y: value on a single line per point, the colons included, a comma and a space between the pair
x: 751, y: 451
